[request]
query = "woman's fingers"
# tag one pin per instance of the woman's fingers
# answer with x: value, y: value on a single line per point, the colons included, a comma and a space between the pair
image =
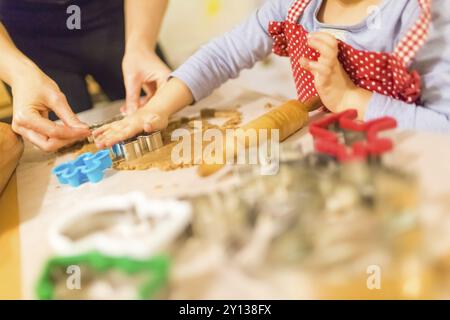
x: 42, y: 142
x: 32, y: 120
x: 150, y: 90
x: 133, y: 87
x: 60, y: 106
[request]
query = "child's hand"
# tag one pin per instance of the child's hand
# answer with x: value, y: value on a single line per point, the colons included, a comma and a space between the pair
x: 143, y: 120
x: 335, y: 88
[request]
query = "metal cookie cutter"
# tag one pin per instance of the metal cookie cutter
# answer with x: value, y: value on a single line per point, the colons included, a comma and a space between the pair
x: 129, y: 225
x: 136, y: 148
x: 101, y: 124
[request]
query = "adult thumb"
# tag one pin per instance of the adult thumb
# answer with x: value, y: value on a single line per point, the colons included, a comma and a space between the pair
x: 133, y: 95
x: 61, y: 107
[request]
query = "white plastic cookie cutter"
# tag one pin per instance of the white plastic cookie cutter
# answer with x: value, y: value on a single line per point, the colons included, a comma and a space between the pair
x: 130, y: 225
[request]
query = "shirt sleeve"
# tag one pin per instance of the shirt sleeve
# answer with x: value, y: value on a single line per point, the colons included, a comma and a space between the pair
x: 413, y: 117
x: 223, y: 58
x: 433, y: 64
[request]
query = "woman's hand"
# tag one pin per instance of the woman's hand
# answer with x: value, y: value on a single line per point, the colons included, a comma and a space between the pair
x: 335, y: 88
x: 142, y: 70
x: 34, y: 96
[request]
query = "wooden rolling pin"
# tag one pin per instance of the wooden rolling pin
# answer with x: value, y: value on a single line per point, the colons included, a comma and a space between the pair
x: 11, y: 149
x: 287, y: 118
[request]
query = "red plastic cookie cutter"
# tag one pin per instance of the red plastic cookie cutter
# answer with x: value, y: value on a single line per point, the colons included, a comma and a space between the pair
x: 327, y: 128
x: 326, y: 133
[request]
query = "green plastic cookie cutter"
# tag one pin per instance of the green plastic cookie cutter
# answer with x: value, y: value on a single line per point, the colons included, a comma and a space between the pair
x: 156, y: 267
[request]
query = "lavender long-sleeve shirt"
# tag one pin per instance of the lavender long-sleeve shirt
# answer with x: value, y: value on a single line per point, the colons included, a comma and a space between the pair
x: 224, y: 57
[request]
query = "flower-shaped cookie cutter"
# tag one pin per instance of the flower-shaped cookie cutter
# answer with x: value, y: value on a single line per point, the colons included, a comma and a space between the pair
x: 88, y: 167
x: 130, y: 225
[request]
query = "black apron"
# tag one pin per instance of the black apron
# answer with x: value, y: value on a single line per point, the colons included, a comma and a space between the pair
x: 49, y: 17
x: 39, y: 29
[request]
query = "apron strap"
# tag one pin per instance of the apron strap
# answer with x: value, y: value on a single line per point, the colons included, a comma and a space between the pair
x: 416, y: 37
x: 296, y: 10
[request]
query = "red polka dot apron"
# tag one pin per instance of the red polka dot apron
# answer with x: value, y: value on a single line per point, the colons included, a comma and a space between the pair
x: 385, y: 73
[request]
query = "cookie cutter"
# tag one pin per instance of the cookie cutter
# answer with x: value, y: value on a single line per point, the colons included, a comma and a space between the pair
x: 113, y: 119
x: 346, y: 139
x: 131, y: 225
x: 87, y: 167
x: 133, y: 148
x: 154, y: 274
x: 101, y: 124
x: 137, y: 147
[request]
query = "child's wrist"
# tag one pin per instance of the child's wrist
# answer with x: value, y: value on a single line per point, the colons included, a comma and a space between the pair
x: 159, y: 110
x: 358, y: 99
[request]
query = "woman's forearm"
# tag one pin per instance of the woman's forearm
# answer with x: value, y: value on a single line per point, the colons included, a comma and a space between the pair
x: 143, y: 19
x: 13, y: 63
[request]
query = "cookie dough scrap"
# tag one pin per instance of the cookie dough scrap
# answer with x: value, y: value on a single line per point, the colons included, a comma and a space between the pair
x: 88, y: 147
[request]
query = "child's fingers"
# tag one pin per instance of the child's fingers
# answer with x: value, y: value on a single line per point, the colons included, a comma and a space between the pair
x: 325, y: 37
x: 100, y: 140
x: 327, y: 53
x: 109, y: 131
x: 108, y: 139
x: 316, y: 67
x: 322, y: 72
x: 327, y: 46
x: 100, y: 130
x: 118, y: 132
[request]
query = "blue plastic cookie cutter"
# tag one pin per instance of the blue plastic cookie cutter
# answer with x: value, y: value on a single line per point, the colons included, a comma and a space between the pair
x: 87, y: 167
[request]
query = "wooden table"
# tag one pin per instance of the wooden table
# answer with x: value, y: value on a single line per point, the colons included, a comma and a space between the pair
x: 27, y: 214
x: 10, y: 278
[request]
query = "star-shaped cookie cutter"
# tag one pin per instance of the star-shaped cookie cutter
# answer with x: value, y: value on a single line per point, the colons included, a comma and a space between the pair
x: 343, y: 137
